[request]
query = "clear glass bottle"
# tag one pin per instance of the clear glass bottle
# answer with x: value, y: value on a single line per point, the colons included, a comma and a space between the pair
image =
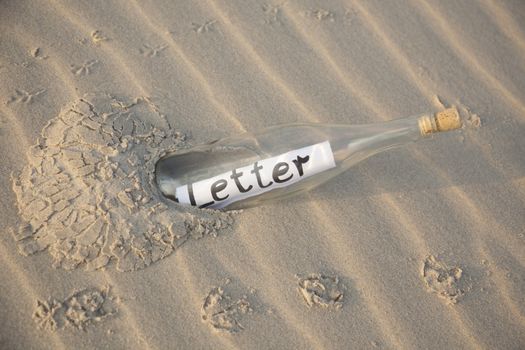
x: 277, y: 162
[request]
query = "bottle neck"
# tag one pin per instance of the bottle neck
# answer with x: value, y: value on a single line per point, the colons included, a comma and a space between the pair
x: 388, y: 134
x: 364, y: 141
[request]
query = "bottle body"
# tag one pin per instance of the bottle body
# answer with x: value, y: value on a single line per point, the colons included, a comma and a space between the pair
x: 277, y: 162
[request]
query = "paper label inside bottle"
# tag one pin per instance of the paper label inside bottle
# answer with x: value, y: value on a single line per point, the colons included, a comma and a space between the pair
x: 259, y: 177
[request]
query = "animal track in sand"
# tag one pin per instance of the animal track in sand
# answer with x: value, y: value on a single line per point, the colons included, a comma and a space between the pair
x: 208, y: 26
x: 321, y: 290
x: 320, y: 15
x: 222, y: 313
x: 351, y: 15
x: 97, y: 37
x: 88, y: 195
x: 22, y: 96
x: 78, y: 310
x: 149, y: 51
x: 37, y: 53
x: 84, y: 69
x: 442, y: 280
x: 272, y: 13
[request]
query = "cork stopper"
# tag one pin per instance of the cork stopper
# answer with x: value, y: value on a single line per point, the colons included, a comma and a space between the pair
x: 442, y: 121
x: 448, y: 120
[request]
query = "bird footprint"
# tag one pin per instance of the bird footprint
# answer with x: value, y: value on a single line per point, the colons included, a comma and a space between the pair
x: 84, y: 69
x: 97, y: 36
x: 272, y: 13
x: 149, y: 51
x: 37, y: 53
x: 204, y: 28
x: 22, y: 96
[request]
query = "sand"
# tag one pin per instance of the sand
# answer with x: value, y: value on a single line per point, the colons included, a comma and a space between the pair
x: 419, y: 248
x: 88, y: 195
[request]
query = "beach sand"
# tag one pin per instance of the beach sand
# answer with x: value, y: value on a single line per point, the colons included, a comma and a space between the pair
x: 422, y: 247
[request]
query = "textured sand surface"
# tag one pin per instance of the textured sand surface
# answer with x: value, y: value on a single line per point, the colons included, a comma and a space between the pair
x: 419, y: 248
x: 88, y: 194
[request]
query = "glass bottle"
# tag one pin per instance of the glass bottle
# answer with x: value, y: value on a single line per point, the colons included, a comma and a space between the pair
x: 254, y: 168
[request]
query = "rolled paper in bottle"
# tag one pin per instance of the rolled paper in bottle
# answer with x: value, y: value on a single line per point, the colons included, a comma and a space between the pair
x: 251, y: 168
